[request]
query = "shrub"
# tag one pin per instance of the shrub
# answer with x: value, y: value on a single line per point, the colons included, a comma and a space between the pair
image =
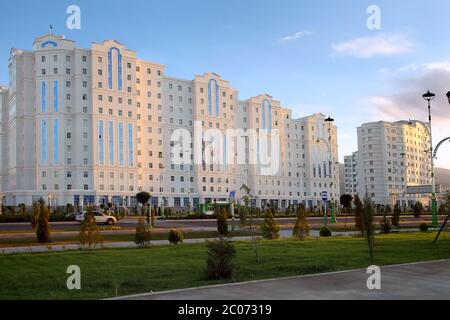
x: 89, y: 234
x: 424, y: 227
x: 143, y: 234
x: 325, y: 232
x: 301, y: 228
x: 42, y: 226
x: 386, y: 225
x: 219, y: 264
x: 270, y: 228
x: 222, y: 221
x: 359, y: 215
x: 176, y: 236
x: 396, y: 216
x: 418, y: 210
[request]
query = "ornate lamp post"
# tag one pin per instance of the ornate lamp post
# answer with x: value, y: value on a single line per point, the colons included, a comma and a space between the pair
x: 430, y: 97
x: 330, y: 122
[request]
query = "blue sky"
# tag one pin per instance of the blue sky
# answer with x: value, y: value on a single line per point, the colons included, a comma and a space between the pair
x: 334, y: 65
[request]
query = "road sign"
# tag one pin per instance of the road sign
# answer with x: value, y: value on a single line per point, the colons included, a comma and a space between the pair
x: 232, y: 195
x: 324, y: 196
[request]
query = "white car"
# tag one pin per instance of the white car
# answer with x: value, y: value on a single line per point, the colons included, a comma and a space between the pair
x: 100, y: 218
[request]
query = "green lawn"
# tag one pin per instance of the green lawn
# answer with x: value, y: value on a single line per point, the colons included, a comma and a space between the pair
x: 106, y: 273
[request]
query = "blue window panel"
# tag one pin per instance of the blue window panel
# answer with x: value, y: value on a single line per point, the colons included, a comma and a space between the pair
x: 101, y: 157
x: 186, y: 202
x: 177, y: 202
x: 154, y: 201
x: 55, y: 96
x: 43, y: 96
x: 196, y: 202
x: 225, y: 153
x: 89, y: 200
x: 209, y: 100
x: 121, y: 155
x: 130, y: 146
x: 55, y: 141
x: 210, y: 88
x: 111, y: 142
x: 257, y: 154
x: 119, y: 68
x: 44, y: 141
x: 110, y: 69
x: 76, y: 200
x: 219, y: 161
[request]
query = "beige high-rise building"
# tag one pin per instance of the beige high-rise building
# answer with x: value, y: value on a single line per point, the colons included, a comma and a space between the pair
x: 391, y: 157
x: 92, y: 126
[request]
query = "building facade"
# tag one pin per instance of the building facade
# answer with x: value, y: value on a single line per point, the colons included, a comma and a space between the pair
x: 351, y: 174
x: 93, y: 126
x: 391, y: 157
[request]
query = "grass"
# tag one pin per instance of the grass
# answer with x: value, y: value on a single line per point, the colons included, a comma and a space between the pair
x: 107, y: 273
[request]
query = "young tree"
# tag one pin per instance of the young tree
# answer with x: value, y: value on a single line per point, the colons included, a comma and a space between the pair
x: 222, y: 221
x: 143, y: 234
x: 396, y: 216
x: 418, y: 209
x: 152, y: 217
x: 89, y: 234
x: 386, y: 224
x: 346, y: 201
x: 301, y: 228
x: 251, y: 213
x: 270, y: 228
x: 143, y: 198
x: 368, y: 224
x: 359, y: 213
x: 176, y: 236
x: 219, y: 264
x: 42, y: 226
x: 35, y: 215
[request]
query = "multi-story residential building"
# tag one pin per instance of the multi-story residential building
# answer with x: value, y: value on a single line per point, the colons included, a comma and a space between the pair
x: 392, y: 157
x: 351, y: 174
x: 91, y: 126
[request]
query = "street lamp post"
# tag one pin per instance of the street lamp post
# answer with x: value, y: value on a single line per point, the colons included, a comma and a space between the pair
x: 330, y: 121
x: 430, y: 97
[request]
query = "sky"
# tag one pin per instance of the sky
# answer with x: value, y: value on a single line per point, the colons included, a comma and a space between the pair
x: 313, y: 56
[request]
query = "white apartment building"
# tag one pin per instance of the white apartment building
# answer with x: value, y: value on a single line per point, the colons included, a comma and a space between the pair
x: 351, y: 174
x: 92, y: 126
x: 391, y: 157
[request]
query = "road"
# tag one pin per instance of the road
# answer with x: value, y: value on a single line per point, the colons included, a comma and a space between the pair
x: 130, y: 223
x: 418, y: 281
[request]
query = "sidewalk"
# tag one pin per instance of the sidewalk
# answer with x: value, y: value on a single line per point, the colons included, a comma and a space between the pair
x: 106, y: 245
x: 416, y: 281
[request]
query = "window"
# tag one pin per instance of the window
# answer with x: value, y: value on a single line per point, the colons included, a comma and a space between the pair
x: 84, y: 58
x: 43, y: 59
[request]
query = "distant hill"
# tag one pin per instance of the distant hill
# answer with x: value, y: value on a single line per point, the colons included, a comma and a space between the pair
x: 443, y: 177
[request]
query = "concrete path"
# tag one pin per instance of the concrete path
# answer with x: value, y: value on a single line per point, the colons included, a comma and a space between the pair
x: 106, y: 245
x: 425, y: 280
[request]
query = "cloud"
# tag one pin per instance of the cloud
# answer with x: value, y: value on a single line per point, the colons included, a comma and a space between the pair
x: 405, y: 100
x: 296, y: 36
x: 379, y: 45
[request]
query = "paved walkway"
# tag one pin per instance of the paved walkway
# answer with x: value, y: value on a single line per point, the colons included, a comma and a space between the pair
x: 106, y: 245
x: 425, y: 280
